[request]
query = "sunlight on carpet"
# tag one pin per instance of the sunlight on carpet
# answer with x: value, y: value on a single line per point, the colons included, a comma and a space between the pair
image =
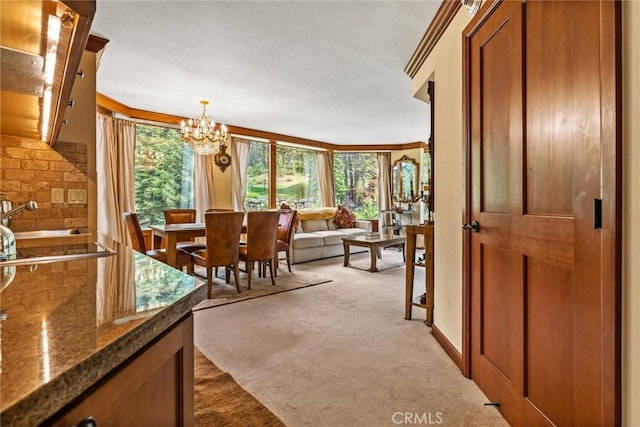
x: 220, y: 401
x: 223, y: 293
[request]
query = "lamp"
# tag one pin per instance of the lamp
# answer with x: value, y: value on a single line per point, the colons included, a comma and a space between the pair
x: 205, y: 136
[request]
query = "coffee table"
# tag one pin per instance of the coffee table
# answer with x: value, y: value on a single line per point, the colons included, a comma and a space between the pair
x: 374, y: 245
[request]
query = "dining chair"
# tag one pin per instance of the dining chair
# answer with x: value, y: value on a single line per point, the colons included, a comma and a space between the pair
x: 137, y: 243
x: 183, y: 216
x: 285, y: 232
x: 223, y: 245
x: 262, y: 233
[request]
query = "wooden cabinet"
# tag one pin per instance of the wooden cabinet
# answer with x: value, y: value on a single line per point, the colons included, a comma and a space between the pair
x: 155, y: 387
x: 79, y: 125
x: 426, y: 262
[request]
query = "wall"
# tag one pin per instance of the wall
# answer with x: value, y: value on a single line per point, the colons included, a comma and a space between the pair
x: 631, y: 219
x: 444, y: 65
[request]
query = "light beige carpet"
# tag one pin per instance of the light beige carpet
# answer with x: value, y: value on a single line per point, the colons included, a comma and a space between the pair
x: 220, y: 401
x: 223, y: 293
x: 342, y: 354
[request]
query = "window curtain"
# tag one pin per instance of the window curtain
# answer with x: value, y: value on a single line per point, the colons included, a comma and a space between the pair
x: 203, y: 194
x: 326, y: 181
x: 384, y: 184
x: 115, y: 147
x: 240, y: 165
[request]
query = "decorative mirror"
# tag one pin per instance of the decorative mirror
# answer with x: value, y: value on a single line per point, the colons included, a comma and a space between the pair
x: 406, y: 180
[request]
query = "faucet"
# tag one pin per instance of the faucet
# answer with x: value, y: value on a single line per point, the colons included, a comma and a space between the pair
x: 7, y: 238
x: 30, y: 206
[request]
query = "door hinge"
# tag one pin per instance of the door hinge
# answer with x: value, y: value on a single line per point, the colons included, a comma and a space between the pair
x: 597, y: 213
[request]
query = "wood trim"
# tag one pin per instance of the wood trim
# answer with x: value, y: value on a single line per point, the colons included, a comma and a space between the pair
x: 611, y: 195
x: 448, y: 347
x: 445, y: 14
x: 272, y: 175
x: 96, y: 43
x: 110, y: 104
x: 468, y: 32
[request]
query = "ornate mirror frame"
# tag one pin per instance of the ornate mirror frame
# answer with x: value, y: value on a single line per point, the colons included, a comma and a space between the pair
x: 405, y: 180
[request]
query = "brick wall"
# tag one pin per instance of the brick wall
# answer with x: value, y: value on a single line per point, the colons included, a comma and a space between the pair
x: 30, y: 168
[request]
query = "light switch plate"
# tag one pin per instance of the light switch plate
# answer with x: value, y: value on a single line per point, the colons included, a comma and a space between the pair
x: 57, y: 195
x: 77, y: 196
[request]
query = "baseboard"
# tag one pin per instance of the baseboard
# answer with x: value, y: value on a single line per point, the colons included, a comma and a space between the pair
x: 447, y: 346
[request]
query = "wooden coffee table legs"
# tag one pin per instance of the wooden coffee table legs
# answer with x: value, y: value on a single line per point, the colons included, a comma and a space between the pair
x: 374, y: 247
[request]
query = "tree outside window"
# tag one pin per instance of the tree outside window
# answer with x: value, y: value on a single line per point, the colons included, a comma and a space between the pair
x: 163, y: 173
x: 296, y: 177
x: 356, y: 178
x: 257, y: 197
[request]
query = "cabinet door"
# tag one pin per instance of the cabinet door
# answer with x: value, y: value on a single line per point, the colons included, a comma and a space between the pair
x: 80, y: 125
x: 154, y: 388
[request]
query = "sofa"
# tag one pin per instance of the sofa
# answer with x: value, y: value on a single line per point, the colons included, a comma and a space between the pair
x: 318, y: 236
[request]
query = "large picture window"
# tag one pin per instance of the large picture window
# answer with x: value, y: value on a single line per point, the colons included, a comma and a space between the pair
x: 356, y: 177
x: 296, y: 177
x: 163, y: 173
x: 257, y: 197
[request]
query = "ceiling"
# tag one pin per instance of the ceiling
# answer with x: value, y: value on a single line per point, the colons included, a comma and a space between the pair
x: 330, y: 71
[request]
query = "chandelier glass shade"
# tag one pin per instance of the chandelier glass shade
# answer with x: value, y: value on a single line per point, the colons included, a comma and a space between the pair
x: 203, y: 134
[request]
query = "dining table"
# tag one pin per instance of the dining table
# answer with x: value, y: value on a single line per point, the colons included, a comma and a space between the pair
x: 171, y: 234
x: 174, y: 233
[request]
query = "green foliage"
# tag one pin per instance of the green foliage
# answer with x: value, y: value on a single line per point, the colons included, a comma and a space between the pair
x: 163, y: 173
x: 356, y: 181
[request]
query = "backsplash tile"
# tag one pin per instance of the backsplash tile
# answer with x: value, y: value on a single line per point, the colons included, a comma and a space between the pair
x: 30, y: 168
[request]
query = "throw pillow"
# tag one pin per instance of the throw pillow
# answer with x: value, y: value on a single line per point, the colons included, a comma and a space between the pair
x: 344, y: 218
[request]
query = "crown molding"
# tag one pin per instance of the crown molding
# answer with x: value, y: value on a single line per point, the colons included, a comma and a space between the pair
x: 105, y: 103
x: 445, y: 14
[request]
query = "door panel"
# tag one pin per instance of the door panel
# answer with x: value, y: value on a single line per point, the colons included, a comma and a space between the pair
x: 550, y: 367
x: 537, y: 323
x: 496, y: 325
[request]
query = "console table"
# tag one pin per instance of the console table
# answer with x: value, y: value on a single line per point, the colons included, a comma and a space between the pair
x: 412, y: 232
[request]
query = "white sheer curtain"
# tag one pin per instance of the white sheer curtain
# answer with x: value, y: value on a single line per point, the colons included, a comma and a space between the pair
x: 326, y: 181
x: 115, y: 147
x: 240, y: 165
x: 203, y: 194
x: 384, y: 183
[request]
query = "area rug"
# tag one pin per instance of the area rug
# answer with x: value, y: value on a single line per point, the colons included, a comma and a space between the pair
x: 220, y: 401
x: 222, y: 293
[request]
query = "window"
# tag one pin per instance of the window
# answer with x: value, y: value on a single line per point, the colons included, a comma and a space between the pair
x: 163, y: 173
x: 296, y: 177
x: 257, y: 197
x: 356, y: 177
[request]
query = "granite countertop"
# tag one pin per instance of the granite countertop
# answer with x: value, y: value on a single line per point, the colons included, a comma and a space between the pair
x: 70, y: 323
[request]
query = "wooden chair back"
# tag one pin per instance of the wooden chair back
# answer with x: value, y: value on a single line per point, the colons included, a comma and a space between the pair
x: 135, y: 232
x: 179, y: 216
x: 285, y: 225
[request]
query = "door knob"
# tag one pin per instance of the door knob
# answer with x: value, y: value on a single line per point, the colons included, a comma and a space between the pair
x: 473, y: 226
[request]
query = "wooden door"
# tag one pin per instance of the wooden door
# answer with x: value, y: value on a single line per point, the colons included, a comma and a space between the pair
x: 541, y: 293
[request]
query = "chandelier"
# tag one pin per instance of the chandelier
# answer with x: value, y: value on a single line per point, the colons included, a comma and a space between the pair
x: 206, y: 137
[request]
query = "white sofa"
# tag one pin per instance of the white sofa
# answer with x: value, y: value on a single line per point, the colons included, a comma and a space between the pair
x: 318, y: 237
